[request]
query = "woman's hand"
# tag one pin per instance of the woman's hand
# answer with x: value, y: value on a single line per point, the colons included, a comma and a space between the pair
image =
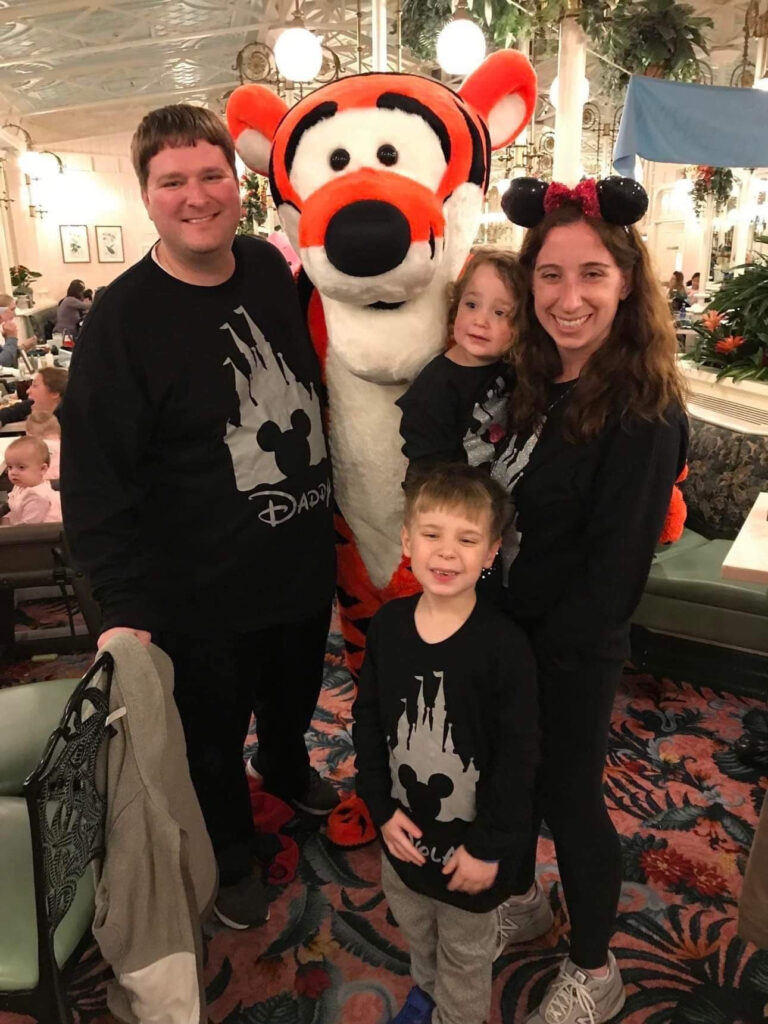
x: 469, y: 874
x: 397, y: 834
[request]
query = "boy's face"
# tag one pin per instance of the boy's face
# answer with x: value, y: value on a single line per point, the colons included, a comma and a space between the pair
x: 25, y: 468
x: 448, y: 550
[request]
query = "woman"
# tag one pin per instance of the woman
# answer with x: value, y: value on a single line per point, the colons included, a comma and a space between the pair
x: 597, y: 436
x: 44, y: 395
x: 71, y: 309
x: 677, y: 296
x: 693, y: 287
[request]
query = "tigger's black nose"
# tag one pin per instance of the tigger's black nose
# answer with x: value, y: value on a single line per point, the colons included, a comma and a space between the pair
x: 367, y: 237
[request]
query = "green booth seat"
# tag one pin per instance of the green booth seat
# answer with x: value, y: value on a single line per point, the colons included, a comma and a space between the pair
x: 19, y: 969
x: 686, y: 596
x: 28, y: 715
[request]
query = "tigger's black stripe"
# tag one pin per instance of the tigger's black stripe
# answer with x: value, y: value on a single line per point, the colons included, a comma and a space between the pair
x: 396, y: 101
x: 318, y: 113
x: 480, y: 168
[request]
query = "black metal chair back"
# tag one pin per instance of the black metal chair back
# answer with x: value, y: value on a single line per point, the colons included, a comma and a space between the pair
x: 66, y: 802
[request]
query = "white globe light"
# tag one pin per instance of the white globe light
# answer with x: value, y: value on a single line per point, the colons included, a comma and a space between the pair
x: 460, y: 47
x: 762, y: 84
x: 554, y: 91
x: 298, y: 55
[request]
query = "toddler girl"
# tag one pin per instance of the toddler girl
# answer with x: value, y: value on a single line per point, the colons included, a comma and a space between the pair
x: 455, y: 410
x: 47, y: 427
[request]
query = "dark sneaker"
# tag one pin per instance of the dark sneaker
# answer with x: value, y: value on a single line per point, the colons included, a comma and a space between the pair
x: 417, y: 1008
x: 242, y: 905
x: 319, y: 798
x: 574, y: 997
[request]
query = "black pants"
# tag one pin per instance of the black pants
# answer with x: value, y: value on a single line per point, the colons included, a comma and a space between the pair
x: 575, y: 702
x: 276, y: 673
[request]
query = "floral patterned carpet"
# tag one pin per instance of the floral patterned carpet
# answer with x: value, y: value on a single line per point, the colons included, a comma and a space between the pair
x: 686, y: 810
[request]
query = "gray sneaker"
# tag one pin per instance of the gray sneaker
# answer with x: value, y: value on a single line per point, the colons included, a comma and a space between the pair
x: 523, y: 920
x: 576, y: 998
x: 242, y: 905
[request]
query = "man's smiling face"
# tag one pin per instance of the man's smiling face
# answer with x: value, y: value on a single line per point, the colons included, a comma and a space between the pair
x: 193, y: 199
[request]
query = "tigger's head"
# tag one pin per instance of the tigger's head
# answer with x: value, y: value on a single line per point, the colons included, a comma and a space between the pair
x: 379, y: 179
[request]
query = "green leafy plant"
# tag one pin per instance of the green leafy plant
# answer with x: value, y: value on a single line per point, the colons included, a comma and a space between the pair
x: 22, y: 277
x: 711, y: 181
x: 733, y: 334
x: 254, y: 202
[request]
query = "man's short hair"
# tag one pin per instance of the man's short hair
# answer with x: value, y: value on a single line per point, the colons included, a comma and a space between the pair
x: 464, y: 489
x: 177, y: 125
x: 6, y: 300
x: 35, y: 444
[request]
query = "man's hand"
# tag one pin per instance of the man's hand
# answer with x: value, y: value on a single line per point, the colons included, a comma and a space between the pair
x: 140, y: 634
x: 469, y: 874
x: 395, y: 834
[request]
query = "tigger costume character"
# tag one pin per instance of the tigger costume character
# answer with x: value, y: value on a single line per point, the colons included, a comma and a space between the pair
x: 379, y: 181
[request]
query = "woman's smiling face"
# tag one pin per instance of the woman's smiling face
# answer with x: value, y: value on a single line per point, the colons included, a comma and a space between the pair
x: 577, y: 287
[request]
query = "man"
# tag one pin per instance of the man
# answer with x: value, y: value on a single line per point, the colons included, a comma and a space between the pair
x: 9, y: 332
x: 195, y: 484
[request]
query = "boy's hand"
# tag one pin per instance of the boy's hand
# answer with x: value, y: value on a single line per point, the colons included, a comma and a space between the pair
x: 469, y: 874
x: 395, y: 834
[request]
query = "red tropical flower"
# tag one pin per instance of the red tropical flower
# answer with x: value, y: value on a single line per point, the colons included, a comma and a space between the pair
x: 706, y: 879
x: 665, y: 866
x: 730, y: 343
x: 712, y: 320
x: 311, y: 980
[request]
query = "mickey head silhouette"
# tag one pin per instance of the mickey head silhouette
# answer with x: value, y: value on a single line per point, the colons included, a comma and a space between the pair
x: 424, y: 799
x: 291, y: 447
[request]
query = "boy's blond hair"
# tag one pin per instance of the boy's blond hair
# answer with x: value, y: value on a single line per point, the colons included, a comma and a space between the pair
x: 464, y: 489
x: 40, y: 448
x: 42, y: 424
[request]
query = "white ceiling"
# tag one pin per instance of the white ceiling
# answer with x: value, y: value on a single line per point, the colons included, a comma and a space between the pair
x: 78, y: 68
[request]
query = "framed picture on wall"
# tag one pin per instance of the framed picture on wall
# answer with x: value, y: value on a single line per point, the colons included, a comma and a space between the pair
x: 74, y: 243
x: 109, y: 244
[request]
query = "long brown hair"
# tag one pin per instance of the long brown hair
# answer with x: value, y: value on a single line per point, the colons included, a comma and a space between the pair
x: 634, y: 370
x: 506, y: 265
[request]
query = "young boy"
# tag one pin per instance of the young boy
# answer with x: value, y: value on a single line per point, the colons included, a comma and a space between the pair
x: 32, y: 499
x: 445, y: 731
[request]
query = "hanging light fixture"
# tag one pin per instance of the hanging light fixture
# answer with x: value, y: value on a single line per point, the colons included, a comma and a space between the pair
x: 461, y: 43
x: 554, y: 91
x: 298, y: 53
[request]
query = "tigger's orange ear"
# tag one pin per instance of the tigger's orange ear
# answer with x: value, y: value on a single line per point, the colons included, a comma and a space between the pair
x: 253, y: 114
x: 503, y: 92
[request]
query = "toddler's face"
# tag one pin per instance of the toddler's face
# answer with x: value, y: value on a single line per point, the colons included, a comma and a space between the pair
x: 24, y: 470
x: 483, y: 327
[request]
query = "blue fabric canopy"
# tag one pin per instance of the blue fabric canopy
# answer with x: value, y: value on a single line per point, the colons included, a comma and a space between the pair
x: 678, y: 123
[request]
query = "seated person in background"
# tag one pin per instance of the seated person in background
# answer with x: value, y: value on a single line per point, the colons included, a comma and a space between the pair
x: 72, y: 309
x: 46, y: 427
x: 32, y: 499
x: 693, y: 286
x: 9, y: 332
x: 45, y: 394
x: 676, y: 293
x: 88, y: 294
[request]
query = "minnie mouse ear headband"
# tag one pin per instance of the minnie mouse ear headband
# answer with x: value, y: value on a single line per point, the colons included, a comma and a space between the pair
x: 615, y: 200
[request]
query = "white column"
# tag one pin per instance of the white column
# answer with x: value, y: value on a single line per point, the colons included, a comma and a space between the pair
x: 379, y: 35
x: 571, y: 66
x: 741, y: 227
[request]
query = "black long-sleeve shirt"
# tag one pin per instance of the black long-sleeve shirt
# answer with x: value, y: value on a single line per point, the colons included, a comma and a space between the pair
x: 589, y: 516
x: 448, y: 733
x: 194, y: 476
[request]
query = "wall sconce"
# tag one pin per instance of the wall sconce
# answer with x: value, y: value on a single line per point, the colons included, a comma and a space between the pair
x: 37, y: 165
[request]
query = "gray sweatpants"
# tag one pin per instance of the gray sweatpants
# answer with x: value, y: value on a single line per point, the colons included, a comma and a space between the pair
x: 451, y: 950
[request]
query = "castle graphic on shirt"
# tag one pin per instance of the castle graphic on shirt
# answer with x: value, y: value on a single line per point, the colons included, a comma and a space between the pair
x: 428, y: 776
x: 279, y: 430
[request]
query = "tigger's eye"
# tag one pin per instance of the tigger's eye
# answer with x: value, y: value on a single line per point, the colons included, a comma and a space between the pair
x: 339, y: 159
x: 387, y: 154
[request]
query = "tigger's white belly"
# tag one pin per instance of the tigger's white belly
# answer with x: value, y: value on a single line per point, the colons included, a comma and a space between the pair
x: 368, y: 466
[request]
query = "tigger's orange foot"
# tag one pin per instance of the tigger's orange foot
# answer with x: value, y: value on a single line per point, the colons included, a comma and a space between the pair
x: 350, y: 825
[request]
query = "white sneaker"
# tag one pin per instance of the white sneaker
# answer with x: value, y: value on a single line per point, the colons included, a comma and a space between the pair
x: 574, y: 997
x: 523, y: 920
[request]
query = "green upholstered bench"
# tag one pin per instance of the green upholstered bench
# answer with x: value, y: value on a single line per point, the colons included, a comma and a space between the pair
x: 685, y: 595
